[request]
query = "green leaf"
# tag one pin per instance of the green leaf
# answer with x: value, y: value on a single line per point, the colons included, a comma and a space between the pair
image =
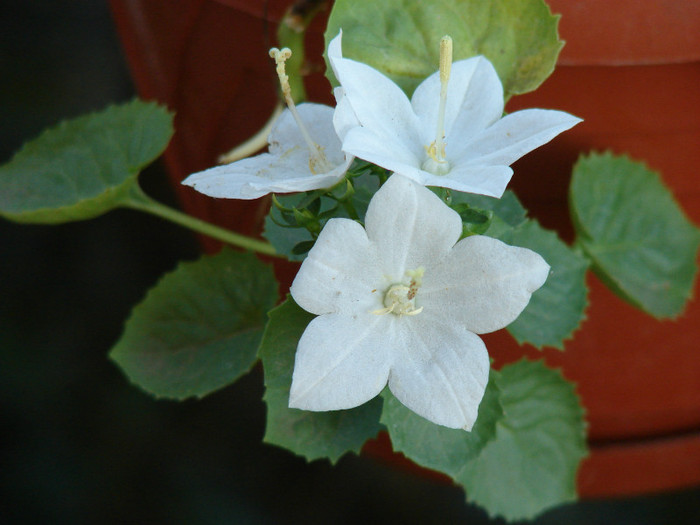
x: 309, y: 434
x: 401, y: 37
x: 508, y: 207
x: 640, y: 242
x: 522, y: 455
x: 83, y: 167
x: 199, y: 329
x: 437, y: 447
x: 531, y: 464
x: 557, y: 309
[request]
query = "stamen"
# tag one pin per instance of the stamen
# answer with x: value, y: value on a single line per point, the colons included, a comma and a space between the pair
x: 317, y: 160
x: 399, y: 298
x: 436, y: 161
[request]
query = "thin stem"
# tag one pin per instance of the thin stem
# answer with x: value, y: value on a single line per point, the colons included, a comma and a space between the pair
x: 350, y: 208
x: 138, y: 200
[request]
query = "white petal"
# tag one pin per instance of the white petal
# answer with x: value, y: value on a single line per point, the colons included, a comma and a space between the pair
x: 480, y: 105
x: 483, y: 284
x: 257, y: 176
x: 286, y: 168
x: 439, y: 370
x: 513, y: 136
x: 341, y: 273
x: 484, y: 180
x: 341, y: 362
x: 410, y: 226
x: 378, y: 103
x: 344, y: 118
x: 365, y: 144
x: 318, y: 119
x: 335, y: 50
x: 474, y: 101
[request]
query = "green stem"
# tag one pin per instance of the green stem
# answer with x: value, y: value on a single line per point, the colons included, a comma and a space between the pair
x: 138, y: 200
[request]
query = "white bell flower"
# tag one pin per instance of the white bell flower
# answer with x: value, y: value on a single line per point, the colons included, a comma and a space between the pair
x: 400, y: 302
x: 304, y: 154
x: 451, y: 133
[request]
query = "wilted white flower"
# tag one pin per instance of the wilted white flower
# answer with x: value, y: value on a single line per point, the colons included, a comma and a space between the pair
x: 400, y: 302
x: 451, y: 133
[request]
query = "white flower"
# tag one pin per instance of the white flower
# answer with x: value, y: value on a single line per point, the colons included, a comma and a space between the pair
x: 400, y: 302
x: 450, y: 134
x: 291, y: 165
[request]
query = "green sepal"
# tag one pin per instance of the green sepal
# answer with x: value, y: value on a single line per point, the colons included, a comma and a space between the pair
x: 199, y: 328
x: 83, y: 167
x: 312, y: 435
x: 294, y: 221
x: 508, y: 208
x: 474, y: 220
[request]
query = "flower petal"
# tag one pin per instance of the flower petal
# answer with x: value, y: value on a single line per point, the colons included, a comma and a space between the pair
x: 344, y: 118
x: 474, y: 101
x: 484, y: 180
x: 410, y: 226
x: 257, y: 176
x: 341, y: 273
x: 377, y: 102
x: 286, y: 168
x: 366, y: 144
x: 513, y: 136
x: 318, y: 118
x: 341, y: 362
x: 439, y: 370
x: 483, y: 284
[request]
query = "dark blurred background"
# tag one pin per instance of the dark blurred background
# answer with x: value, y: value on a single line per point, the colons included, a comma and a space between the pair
x: 81, y: 445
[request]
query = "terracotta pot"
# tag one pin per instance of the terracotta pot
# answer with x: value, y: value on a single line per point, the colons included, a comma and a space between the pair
x: 630, y: 69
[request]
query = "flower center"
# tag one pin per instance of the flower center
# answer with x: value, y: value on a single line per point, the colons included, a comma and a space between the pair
x: 317, y: 159
x: 400, y: 299
x: 436, y: 162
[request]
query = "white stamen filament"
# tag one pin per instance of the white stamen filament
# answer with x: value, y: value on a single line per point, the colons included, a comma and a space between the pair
x: 436, y: 161
x: 317, y: 160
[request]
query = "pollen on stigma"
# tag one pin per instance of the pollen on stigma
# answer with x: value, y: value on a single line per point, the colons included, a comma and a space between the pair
x: 400, y: 298
x: 437, y: 162
x: 318, y: 163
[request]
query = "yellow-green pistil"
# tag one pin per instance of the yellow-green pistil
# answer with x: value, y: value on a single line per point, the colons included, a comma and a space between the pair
x: 436, y: 162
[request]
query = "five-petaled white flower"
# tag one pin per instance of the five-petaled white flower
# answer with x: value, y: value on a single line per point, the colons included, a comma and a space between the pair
x: 401, y: 301
x: 450, y: 134
x: 304, y: 154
